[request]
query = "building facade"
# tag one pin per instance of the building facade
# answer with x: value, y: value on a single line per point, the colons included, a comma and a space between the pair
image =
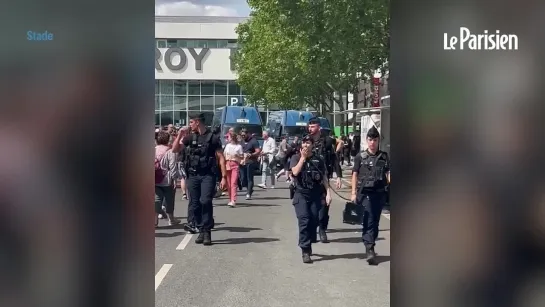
x: 193, y: 67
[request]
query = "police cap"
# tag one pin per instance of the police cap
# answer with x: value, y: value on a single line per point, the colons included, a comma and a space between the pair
x: 197, y: 116
x: 307, y: 138
x: 314, y: 121
x: 373, y: 133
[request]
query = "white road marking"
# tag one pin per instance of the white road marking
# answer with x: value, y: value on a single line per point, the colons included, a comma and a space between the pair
x: 184, y: 242
x: 161, y: 274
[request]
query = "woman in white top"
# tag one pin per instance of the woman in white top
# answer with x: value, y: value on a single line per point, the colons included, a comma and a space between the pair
x: 233, y: 156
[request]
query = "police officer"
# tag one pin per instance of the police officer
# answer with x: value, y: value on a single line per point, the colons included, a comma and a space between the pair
x: 203, y: 152
x: 370, y: 176
x: 325, y: 148
x: 308, y: 171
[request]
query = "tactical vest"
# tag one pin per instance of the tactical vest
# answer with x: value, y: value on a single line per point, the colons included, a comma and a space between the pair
x: 197, y: 157
x: 311, y: 175
x: 372, y: 172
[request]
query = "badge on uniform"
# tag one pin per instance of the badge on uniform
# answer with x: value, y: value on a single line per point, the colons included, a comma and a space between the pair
x: 353, y: 214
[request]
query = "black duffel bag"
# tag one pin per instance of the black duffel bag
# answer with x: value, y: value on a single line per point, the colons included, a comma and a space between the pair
x: 353, y: 214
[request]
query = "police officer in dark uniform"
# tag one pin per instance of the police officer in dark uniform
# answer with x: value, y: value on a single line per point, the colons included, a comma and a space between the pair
x: 370, y: 176
x: 309, y: 176
x: 324, y: 147
x: 204, y: 155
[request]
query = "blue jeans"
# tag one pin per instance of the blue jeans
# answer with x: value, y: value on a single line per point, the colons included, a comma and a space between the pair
x: 247, y: 176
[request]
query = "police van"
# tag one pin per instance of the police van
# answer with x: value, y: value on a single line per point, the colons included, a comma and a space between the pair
x: 239, y: 118
x: 288, y: 123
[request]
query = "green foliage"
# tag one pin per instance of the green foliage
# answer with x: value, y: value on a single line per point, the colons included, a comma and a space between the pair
x: 293, y: 53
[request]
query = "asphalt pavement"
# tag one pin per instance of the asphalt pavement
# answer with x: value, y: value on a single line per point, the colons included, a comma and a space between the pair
x: 255, y: 260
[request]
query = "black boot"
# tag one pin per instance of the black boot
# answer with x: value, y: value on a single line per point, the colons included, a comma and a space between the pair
x: 207, y: 238
x: 200, y: 238
x: 306, y: 256
x: 371, y: 255
x: 323, y: 236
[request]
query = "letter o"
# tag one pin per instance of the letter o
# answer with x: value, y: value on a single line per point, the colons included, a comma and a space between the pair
x: 168, y: 58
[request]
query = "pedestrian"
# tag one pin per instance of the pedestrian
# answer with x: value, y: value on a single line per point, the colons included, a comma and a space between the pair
x: 281, y: 156
x: 166, y: 174
x: 267, y: 159
x: 326, y: 148
x: 370, y: 176
x: 233, y: 155
x: 250, y: 164
x: 204, y: 157
x: 309, y: 176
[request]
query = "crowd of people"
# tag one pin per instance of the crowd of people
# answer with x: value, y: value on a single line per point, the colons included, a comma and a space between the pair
x: 195, y: 158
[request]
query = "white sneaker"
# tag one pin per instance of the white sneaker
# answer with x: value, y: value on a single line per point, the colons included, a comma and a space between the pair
x: 248, y: 197
x: 262, y: 185
x: 272, y: 186
x: 231, y: 204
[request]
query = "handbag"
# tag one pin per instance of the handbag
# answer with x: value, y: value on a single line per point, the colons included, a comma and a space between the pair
x: 353, y: 214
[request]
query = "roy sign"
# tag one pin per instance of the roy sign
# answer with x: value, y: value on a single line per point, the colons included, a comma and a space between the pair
x: 170, y: 53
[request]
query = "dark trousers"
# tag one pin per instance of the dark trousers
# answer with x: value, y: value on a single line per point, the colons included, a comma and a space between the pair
x: 324, y: 212
x: 164, y: 196
x: 247, y: 176
x: 201, y: 192
x: 306, y: 210
x: 372, y: 206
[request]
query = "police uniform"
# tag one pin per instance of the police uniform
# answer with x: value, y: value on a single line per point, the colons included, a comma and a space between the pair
x: 324, y: 147
x: 201, y: 167
x: 371, y: 170
x: 307, y: 200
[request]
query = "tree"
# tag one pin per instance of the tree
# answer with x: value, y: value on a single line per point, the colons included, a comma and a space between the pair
x: 296, y: 52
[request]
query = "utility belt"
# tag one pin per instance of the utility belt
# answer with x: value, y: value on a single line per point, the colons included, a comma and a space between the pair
x: 375, y: 187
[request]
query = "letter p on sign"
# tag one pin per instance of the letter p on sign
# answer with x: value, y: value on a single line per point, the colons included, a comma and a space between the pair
x: 234, y: 101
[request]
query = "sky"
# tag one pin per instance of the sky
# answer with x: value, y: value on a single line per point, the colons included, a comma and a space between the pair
x: 202, y: 8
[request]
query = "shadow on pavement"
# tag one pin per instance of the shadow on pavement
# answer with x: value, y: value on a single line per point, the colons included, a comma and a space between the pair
x: 350, y: 240
x: 254, y: 205
x: 339, y: 230
x: 244, y: 240
x: 272, y: 197
x: 237, y: 229
x: 379, y: 259
x: 168, y: 235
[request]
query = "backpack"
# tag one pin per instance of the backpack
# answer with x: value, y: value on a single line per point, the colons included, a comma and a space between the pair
x: 160, y: 172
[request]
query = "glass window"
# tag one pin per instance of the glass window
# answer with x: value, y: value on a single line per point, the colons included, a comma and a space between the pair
x: 161, y: 43
x: 207, y: 87
x: 180, y: 117
x: 194, y: 88
x: 207, y: 103
x: 220, y: 87
x: 234, y: 89
x: 220, y: 101
x: 191, y: 43
x: 157, y: 118
x: 166, y: 87
x: 194, y: 103
x: 157, y: 104
x: 212, y: 43
x: 180, y: 87
x: 201, y: 43
x: 157, y: 87
x: 182, y: 43
x: 222, y: 43
x: 171, y: 43
x: 167, y: 118
x: 165, y: 103
x: 180, y: 103
x: 208, y: 116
